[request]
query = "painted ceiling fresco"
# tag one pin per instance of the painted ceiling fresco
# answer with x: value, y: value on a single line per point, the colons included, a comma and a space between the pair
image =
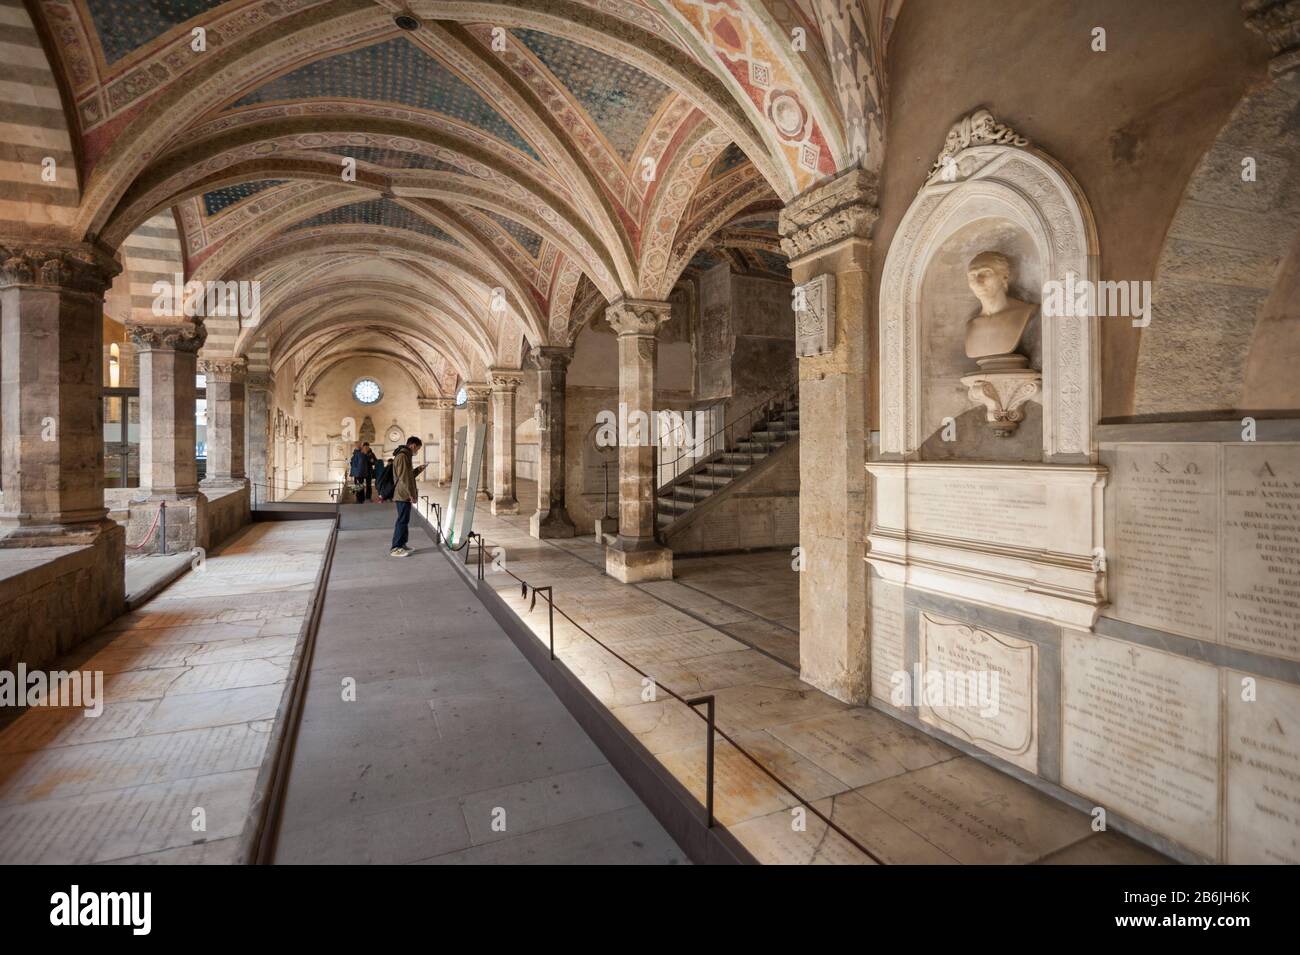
x: 219, y: 199
x: 601, y: 153
x: 619, y: 98
x: 125, y: 25
x: 394, y: 71
x: 378, y: 212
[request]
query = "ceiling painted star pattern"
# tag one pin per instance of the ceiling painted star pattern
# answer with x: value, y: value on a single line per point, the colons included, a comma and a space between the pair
x: 394, y: 71
x: 381, y: 212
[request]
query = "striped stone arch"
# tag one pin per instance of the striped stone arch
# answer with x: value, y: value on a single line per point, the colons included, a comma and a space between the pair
x: 40, y: 187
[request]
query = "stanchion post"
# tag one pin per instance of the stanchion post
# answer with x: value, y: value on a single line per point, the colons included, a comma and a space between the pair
x: 162, y: 508
x: 708, y: 703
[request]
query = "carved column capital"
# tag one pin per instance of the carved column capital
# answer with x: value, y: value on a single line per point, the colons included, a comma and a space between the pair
x: 174, y: 336
x: 505, y: 379
x: 443, y: 404
x: 224, y: 369
x: 1278, y: 22
x: 639, y: 317
x: 552, y: 358
x: 426, y: 403
x: 259, y: 382
x: 841, y: 209
x: 477, y: 391
x: 82, y: 268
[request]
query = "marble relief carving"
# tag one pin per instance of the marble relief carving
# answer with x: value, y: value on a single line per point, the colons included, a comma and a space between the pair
x: 814, y: 316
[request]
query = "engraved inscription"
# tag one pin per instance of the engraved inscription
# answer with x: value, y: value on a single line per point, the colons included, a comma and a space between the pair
x: 1263, y: 798
x: 1005, y: 723
x: 1164, y: 571
x: 1262, y: 549
x: 1140, y: 735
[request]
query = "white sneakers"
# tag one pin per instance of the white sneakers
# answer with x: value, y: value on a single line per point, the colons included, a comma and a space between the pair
x: 399, y: 552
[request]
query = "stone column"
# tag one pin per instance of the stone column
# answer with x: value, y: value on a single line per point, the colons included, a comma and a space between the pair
x: 505, y: 385
x: 826, y: 233
x: 51, y: 381
x: 636, y: 555
x: 477, y: 394
x: 52, y: 453
x: 168, y: 366
x: 446, y: 411
x: 168, y: 471
x: 226, y: 398
x: 257, y: 442
x: 551, y: 520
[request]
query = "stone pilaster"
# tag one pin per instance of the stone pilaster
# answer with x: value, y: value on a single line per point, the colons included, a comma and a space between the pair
x: 428, y: 415
x: 226, y: 403
x: 551, y: 519
x: 445, y: 408
x: 505, y: 385
x: 636, y: 555
x: 826, y: 232
x: 51, y: 378
x: 477, y: 396
x: 257, y: 434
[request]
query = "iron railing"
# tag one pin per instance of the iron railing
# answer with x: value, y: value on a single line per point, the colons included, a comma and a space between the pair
x: 687, y: 465
x: 708, y: 702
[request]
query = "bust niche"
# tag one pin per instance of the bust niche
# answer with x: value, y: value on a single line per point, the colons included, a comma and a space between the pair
x: 958, y: 343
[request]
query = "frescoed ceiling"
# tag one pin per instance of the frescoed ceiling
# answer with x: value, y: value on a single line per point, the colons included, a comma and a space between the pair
x: 474, y: 167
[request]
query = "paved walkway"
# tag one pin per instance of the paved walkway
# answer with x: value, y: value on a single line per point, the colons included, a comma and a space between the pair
x: 907, y: 797
x: 192, y: 682
x: 452, y: 748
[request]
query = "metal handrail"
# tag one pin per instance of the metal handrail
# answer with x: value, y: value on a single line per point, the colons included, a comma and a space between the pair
x: 709, y: 716
x: 780, y: 396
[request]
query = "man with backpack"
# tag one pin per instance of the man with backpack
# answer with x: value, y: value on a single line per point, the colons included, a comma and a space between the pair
x: 399, y: 482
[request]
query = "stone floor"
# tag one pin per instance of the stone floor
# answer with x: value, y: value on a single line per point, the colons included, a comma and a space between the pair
x: 450, y: 730
x: 723, y: 627
x: 192, y: 683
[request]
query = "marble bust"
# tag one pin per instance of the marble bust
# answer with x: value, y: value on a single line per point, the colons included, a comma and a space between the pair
x: 994, y: 333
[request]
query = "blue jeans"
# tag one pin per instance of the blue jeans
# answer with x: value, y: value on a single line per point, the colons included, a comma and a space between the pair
x: 403, y: 526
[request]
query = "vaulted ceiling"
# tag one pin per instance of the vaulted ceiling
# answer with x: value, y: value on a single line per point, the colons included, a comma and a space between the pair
x: 438, y: 178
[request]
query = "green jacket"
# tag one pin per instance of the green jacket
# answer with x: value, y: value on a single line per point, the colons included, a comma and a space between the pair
x: 404, y: 474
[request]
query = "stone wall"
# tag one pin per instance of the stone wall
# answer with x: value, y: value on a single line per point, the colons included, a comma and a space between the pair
x: 1131, y: 124
x: 52, y: 598
x: 1156, y: 680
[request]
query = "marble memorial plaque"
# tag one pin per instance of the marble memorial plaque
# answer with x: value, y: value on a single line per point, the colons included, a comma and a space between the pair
x: 1261, y: 547
x: 995, y: 512
x: 886, y: 637
x: 1140, y: 735
x: 1164, y: 559
x: 1263, y: 791
x: 990, y: 688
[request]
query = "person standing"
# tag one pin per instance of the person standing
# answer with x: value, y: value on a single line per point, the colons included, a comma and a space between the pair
x: 354, y: 469
x: 369, y: 470
x: 405, y: 493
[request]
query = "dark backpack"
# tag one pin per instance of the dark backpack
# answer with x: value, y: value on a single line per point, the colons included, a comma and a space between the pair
x: 387, y: 483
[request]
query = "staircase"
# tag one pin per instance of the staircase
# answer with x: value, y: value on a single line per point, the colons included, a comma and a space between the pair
x: 776, y: 425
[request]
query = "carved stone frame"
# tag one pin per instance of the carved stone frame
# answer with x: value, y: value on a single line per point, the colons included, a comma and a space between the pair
x: 1023, y: 186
